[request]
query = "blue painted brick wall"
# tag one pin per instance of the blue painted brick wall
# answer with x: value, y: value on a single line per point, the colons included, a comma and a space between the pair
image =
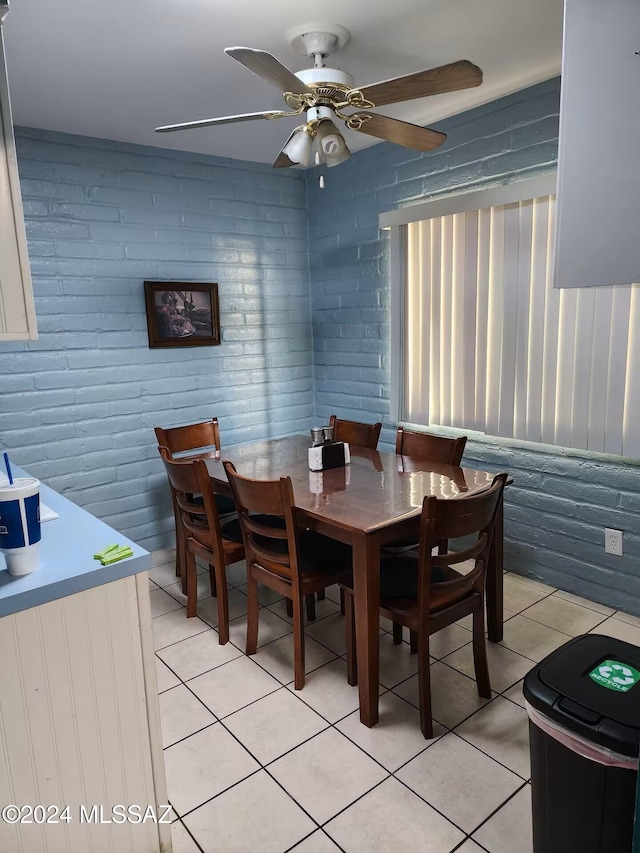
x: 561, y: 502
x: 78, y: 406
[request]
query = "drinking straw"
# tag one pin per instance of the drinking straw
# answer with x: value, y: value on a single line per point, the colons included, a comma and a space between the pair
x: 8, y: 467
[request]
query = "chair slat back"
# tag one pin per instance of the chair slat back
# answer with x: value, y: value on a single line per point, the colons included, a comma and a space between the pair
x: 448, y: 519
x: 182, y: 475
x: 426, y: 445
x: 190, y: 437
x: 272, y: 548
x: 353, y: 432
x: 189, y: 477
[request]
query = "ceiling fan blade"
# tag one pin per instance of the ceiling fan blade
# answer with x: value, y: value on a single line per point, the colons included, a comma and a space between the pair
x: 269, y: 68
x: 434, y: 81
x: 209, y: 122
x: 402, y: 133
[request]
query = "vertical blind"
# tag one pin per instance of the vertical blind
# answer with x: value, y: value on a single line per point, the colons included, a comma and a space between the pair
x: 491, y: 346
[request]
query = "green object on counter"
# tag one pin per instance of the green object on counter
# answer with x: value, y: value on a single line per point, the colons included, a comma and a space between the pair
x: 105, y: 551
x: 114, y: 556
x: 113, y: 553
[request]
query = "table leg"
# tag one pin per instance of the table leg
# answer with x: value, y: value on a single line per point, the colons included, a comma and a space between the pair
x: 495, y: 584
x: 366, y: 594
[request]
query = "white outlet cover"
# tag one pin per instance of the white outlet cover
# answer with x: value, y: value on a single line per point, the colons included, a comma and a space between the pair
x: 613, y: 541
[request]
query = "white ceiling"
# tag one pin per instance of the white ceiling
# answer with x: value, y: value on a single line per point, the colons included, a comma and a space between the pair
x: 118, y: 69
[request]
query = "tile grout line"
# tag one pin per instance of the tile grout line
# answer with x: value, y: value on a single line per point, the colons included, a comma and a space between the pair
x: 501, y: 806
x: 200, y: 673
x: 567, y: 601
x: 586, y: 606
x: 453, y: 730
x: 326, y: 835
x: 364, y: 794
x: 571, y: 636
x: 261, y: 767
x: 431, y: 806
x: 196, y: 732
x: 519, y: 776
x: 265, y: 767
x: 220, y: 793
x: 287, y: 683
x: 242, y: 708
x: 337, y: 657
x: 473, y: 840
x: 189, y: 833
x: 250, y: 657
x: 390, y: 774
x: 333, y: 725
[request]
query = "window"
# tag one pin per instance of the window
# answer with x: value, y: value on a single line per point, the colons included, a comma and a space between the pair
x: 482, y: 341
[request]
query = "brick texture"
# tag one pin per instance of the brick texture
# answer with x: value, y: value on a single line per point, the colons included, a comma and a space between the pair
x: 79, y: 405
x: 561, y: 501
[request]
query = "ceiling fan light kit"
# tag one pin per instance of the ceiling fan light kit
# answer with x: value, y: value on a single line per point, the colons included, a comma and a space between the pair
x: 298, y: 146
x: 323, y: 94
x: 330, y: 145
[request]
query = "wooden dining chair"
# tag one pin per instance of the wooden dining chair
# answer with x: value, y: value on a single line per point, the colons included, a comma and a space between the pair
x: 360, y: 435
x: 292, y: 561
x: 353, y: 432
x: 191, y: 439
x: 426, y: 445
x: 205, y: 536
x: 425, y: 593
x: 434, y: 448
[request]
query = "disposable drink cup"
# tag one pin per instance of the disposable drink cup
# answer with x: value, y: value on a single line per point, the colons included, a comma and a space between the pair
x: 20, y: 524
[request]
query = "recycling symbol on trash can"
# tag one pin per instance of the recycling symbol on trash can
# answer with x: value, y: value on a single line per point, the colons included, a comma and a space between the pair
x: 625, y: 672
x: 615, y: 675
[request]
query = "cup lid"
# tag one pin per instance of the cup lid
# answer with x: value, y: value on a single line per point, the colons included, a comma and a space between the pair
x: 19, y: 483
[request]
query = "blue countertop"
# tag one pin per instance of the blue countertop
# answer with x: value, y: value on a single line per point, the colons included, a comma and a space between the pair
x: 66, y: 557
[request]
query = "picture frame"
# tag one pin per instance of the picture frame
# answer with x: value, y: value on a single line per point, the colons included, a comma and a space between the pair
x: 182, y: 314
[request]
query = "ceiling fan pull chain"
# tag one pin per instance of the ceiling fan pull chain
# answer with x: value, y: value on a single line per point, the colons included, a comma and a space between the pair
x: 317, y: 159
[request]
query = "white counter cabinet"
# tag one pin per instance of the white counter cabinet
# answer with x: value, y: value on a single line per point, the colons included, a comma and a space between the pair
x: 79, y: 715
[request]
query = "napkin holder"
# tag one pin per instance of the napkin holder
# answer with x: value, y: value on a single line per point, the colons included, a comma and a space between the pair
x: 333, y: 454
x: 336, y: 481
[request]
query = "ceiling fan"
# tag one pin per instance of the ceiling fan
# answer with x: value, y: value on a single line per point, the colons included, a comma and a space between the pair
x: 324, y: 94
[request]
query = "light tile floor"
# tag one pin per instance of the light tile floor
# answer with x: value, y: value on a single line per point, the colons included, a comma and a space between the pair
x: 253, y: 764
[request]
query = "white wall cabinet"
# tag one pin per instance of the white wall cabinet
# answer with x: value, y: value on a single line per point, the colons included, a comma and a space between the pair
x: 17, y: 310
x: 599, y: 151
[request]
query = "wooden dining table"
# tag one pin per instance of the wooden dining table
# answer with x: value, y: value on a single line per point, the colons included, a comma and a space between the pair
x: 368, y: 503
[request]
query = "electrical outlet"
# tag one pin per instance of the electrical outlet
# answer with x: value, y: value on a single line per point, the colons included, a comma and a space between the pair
x: 613, y: 541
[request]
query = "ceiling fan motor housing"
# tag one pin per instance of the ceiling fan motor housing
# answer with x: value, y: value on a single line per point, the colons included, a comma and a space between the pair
x: 326, y: 77
x: 319, y: 113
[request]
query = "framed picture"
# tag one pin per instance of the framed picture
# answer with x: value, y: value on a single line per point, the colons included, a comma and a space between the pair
x: 182, y: 314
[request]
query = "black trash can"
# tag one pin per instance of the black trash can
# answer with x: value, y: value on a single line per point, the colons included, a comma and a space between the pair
x: 583, y: 702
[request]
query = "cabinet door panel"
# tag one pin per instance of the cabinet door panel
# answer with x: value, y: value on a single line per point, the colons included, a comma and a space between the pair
x: 17, y: 312
x: 599, y: 155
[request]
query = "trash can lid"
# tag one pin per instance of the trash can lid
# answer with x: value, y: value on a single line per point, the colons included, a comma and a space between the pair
x: 591, y: 686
